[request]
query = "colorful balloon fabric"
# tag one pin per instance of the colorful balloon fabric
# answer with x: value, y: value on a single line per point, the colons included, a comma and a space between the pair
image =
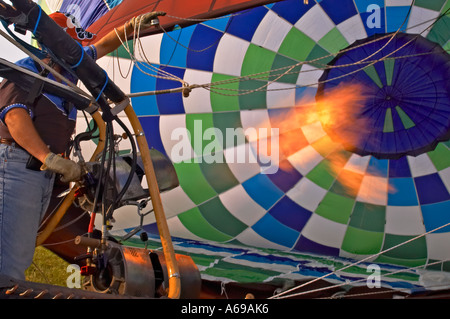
x: 260, y: 69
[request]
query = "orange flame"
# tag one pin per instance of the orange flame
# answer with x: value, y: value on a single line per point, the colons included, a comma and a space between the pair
x: 308, y: 124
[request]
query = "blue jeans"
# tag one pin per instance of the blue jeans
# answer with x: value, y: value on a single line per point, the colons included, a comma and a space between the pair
x: 24, y: 198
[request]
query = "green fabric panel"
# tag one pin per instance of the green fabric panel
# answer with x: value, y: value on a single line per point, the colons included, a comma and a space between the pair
x: 362, y: 242
x: 253, y: 100
x: 440, y: 157
x: 194, y: 221
x: 389, y: 69
x: 372, y: 73
x: 399, y: 261
x: 202, y: 134
x: 285, y: 63
x: 229, y: 123
x: 319, y: 52
x: 257, y: 60
x: 388, y: 122
x: 121, y: 52
x: 203, y: 260
x: 416, y: 249
x: 333, y: 41
x: 435, y: 5
x: 239, y: 273
x: 218, y: 174
x: 347, y: 183
x: 368, y: 217
x: 296, y: 45
x: 440, y: 33
x: 224, y: 100
x: 219, y: 217
x: 336, y: 208
x: 322, y: 174
x: 406, y: 120
x: 193, y: 182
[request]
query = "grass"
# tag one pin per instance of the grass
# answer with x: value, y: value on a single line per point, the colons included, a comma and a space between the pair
x: 47, y: 268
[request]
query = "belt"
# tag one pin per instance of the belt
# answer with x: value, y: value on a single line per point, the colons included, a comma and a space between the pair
x: 9, y: 141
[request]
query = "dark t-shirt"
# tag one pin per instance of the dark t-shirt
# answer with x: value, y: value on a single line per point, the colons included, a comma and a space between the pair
x: 53, y: 122
x: 53, y: 125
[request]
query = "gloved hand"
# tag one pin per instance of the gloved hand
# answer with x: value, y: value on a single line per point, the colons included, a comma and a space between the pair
x: 144, y: 20
x: 69, y: 170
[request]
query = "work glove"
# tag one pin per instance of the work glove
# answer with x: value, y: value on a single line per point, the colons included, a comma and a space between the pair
x: 69, y: 170
x: 145, y: 20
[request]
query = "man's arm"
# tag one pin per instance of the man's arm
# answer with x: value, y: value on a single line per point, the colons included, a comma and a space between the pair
x: 114, y: 39
x: 23, y: 132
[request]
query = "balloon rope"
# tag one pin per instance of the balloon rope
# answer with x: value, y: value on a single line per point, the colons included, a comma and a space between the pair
x: 280, y: 296
x: 212, y: 87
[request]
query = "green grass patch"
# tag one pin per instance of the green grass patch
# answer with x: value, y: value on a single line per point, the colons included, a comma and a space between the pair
x: 47, y: 268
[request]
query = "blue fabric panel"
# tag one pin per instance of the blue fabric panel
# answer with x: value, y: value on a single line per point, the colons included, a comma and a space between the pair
x: 150, y: 125
x: 292, y: 10
x: 140, y: 82
x: 220, y: 24
x: 399, y: 168
x: 271, y: 229
x: 339, y: 11
x: 377, y: 167
x: 250, y: 19
x: 203, y: 46
x: 402, y: 193
x: 430, y: 195
x: 396, y: 17
x: 172, y: 53
x: 306, y: 245
x: 289, y: 213
x: 262, y: 190
x: 436, y: 215
x: 170, y: 103
x: 286, y: 176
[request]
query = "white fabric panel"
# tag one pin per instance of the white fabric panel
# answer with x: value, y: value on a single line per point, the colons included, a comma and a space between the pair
x: 353, y: 29
x: 255, y: 119
x: 313, y: 132
x: 309, y: 76
x: 241, y: 205
x: 251, y: 238
x: 175, y: 137
x: 151, y: 46
x: 373, y: 190
x: 305, y: 159
x: 418, y: 16
x: 176, y: 201
x: 199, y: 99
x: 404, y: 220
x: 177, y: 229
x: 445, y: 177
x: 230, y: 55
x: 398, y: 3
x: 271, y: 32
x: 324, y: 231
x: 357, y: 163
x: 242, y: 170
x: 310, y: 20
x: 117, y: 69
x: 307, y: 194
x: 437, y: 246
x: 282, y: 95
x: 421, y: 165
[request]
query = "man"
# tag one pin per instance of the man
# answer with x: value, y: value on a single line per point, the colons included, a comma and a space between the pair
x: 34, y: 130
